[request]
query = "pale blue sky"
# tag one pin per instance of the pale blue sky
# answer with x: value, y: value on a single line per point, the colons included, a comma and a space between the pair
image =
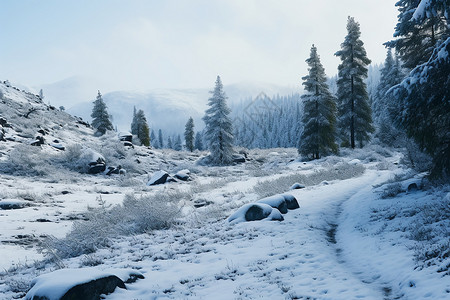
x: 142, y: 45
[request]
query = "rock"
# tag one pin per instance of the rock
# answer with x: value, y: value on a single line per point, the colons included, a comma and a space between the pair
x: 412, y: 187
x: 297, y: 186
x: 3, y: 122
x: 12, y: 204
x: 97, y: 163
x: 2, y: 137
x: 128, y: 144
x: 201, y: 203
x: 39, y: 140
x: 291, y: 201
x: 255, y: 212
x: 238, y: 158
x: 96, y: 168
x: 276, y: 201
x: 86, y: 284
x: 183, y: 175
x: 58, y: 146
x: 170, y: 179
x: 115, y: 170
x: 125, y: 137
x: 159, y: 177
x: 41, y: 131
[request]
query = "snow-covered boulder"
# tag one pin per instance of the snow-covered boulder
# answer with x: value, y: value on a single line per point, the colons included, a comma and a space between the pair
x: 96, y: 161
x: 125, y: 136
x: 58, y: 146
x: 255, y: 212
x: 159, y: 177
x: 291, y: 201
x: 12, y: 204
x: 86, y: 284
x: 183, y: 175
x: 297, y: 186
x: 238, y: 158
x: 276, y: 201
x: 38, y: 141
x: 115, y: 170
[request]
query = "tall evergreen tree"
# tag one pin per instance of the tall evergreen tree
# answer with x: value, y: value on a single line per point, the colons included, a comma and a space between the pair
x: 198, y: 144
x: 160, y: 139
x: 319, y: 117
x: 421, y: 25
x: 355, y: 115
x: 153, y: 139
x: 134, y: 122
x: 100, y: 117
x: 423, y: 41
x: 189, y: 134
x: 219, y: 129
x: 169, y: 143
x: 384, y: 104
x: 178, y: 144
x: 143, y: 131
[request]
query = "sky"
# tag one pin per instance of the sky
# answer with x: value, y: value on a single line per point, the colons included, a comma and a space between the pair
x: 140, y: 45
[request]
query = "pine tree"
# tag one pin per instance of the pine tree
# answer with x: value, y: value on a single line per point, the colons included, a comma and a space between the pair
x: 134, y: 122
x: 189, y: 134
x: 100, y: 117
x: 169, y: 143
x: 219, y: 129
x: 160, y: 139
x: 178, y: 145
x: 143, y: 131
x: 384, y: 104
x: 426, y: 108
x: 355, y: 115
x: 424, y: 96
x: 153, y: 139
x: 319, y: 117
x: 198, y: 141
x: 421, y: 25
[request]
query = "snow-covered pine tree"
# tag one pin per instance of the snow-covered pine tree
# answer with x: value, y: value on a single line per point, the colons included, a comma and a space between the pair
x: 355, y: 115
x: 134, y: 122
x: 41, y: 94
x: 153, y: 140
x: 319, y: 112
x: 178, y: 146
x: 169, y: 143
x: 198, y: 144
x: 219, y: 129
x: 426, y: 113
x: 143, y: 131
x: 189, y: 134
x: 160, y: 139
x: 385, y: 104
x: 421, y: 25
x: 100, y: 117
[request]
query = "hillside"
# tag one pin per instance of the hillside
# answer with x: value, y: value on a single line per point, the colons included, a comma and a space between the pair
x: 368, y: 227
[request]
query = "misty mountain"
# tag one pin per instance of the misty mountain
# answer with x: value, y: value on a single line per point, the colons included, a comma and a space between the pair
x: 166, y: 109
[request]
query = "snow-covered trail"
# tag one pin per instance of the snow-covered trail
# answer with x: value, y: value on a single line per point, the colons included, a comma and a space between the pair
x: 293, y: 259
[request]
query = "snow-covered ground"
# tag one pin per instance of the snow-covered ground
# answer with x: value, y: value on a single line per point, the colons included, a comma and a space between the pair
x: 350, y: 239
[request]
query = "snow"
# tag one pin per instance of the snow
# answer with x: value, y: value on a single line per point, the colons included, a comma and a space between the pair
x: 345, y: 242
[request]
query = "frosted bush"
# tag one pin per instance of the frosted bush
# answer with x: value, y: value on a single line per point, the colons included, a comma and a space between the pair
x: 135, y: 216
x: 392, y: 190
x: 282, y: 184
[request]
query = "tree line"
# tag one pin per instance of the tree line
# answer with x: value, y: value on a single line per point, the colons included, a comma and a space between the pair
x: 410, y: 104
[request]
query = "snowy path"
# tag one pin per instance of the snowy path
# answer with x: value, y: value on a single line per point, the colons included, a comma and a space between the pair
x: 294, y: 259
